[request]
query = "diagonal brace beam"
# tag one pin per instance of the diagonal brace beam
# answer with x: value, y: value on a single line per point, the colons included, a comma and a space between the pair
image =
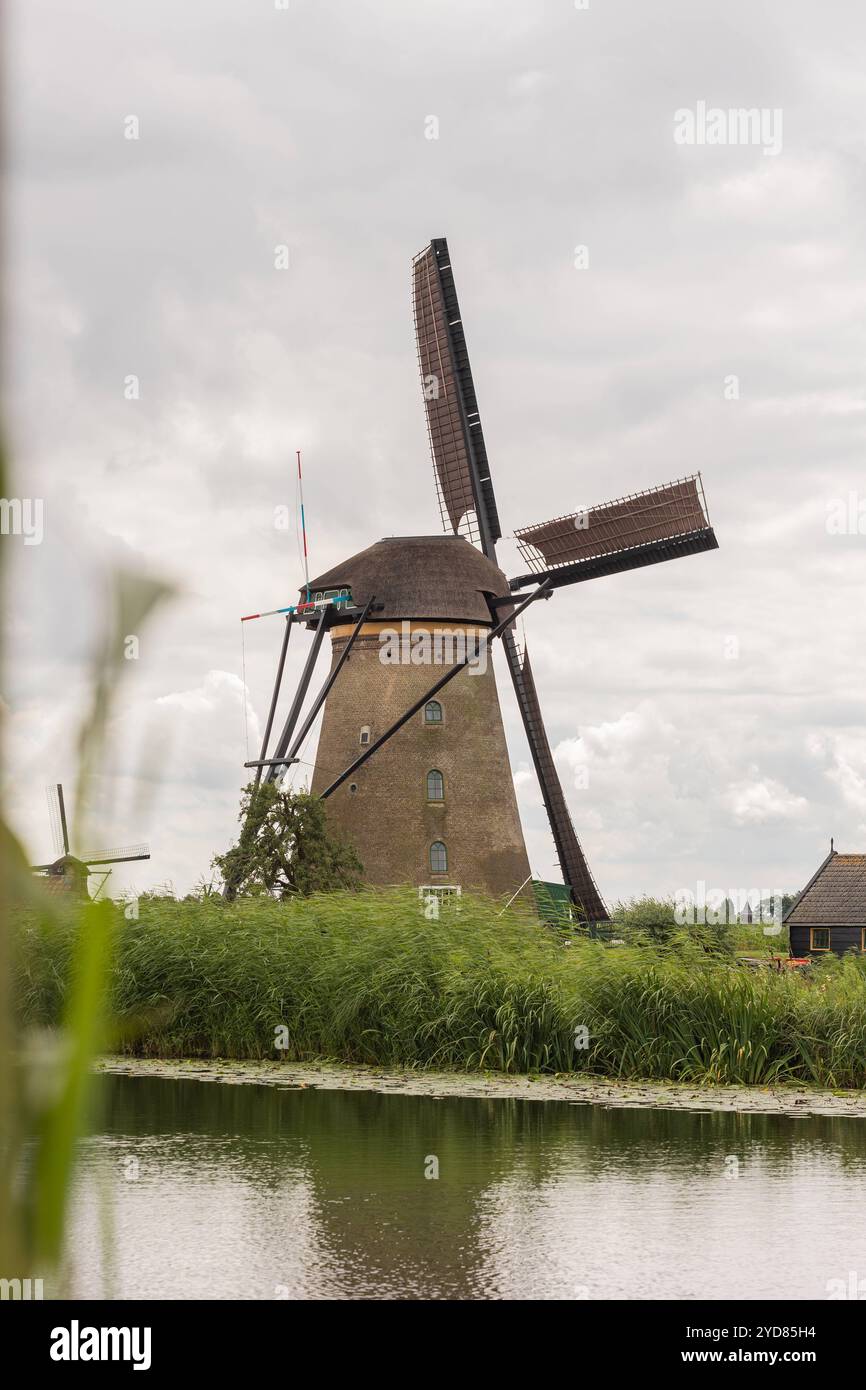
x: 271, y: 712
x: 540, y: 592
x: 328, y: 686
x: 300, y: 694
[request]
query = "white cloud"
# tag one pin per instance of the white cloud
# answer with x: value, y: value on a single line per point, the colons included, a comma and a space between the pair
x: 758, y: 800
x: 844, y: 757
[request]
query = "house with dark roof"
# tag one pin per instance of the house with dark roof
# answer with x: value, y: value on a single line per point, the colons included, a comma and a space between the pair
x: 830, y: 913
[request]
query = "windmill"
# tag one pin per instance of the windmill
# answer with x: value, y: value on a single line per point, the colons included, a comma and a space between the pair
x: 68, y: 872
x: 386, y: 735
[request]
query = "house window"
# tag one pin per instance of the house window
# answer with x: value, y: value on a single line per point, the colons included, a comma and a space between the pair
x: 435, y: 786
x: 365, y: 736
x: 819, y: 938
x: 438, y: 858
x: 432, y: 712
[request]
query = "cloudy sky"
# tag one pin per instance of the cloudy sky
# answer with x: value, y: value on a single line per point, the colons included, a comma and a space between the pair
x: 714, y: 706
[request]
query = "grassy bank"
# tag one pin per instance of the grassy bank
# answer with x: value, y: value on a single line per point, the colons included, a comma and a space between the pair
x: 366, y: 978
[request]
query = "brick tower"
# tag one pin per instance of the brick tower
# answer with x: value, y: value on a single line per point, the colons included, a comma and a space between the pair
x: 435, y: 805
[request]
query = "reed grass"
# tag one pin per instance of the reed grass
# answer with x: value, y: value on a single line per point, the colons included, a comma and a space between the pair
x: 364, y: 977
x: 45, y: 1075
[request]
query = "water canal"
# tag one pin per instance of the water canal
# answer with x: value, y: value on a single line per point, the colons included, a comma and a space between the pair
x: 202, y: 1190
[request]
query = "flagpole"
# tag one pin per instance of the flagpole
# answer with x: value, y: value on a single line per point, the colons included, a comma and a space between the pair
x: 303, y: 525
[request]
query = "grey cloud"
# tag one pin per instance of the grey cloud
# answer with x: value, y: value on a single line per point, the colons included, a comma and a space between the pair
x: 260, y: 127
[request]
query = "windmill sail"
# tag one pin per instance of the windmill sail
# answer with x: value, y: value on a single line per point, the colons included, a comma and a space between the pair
x: 645, y: 528
x: 117, y: 856
x: 468, y: 505
x: 462, y: 472
x: 73, y: 870
x: 572, y: 862
x: 57, y: 817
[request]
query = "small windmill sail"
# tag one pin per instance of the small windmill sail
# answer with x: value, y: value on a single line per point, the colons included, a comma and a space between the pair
x: 57, y: 817
x: 60, y: 835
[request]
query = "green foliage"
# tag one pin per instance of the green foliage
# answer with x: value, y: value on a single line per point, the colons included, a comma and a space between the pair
x: 652, y: 918
x: 652, y: 921
x: 364, y: 977
x: 285, y: 848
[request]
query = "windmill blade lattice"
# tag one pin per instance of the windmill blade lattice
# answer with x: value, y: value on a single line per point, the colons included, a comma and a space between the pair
x: 126, y: 854
x: 463, y: 482
x: 625, y: 534
x: 54, y: 820
x: 57, y: 818
x: 467, y: 502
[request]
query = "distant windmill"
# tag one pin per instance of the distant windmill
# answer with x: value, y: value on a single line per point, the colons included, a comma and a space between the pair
x: 69, y: 871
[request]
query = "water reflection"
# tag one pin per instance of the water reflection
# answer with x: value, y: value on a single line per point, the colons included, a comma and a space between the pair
x: 223, y: 1191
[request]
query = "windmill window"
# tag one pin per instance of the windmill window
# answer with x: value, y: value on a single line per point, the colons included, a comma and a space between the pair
x: 435, y: 786
x: 438, y: 858
x: 819, y: 939
x: 440, y: 890
x: 364, y: 738
x: 435, y: 896
x: 432, y: 712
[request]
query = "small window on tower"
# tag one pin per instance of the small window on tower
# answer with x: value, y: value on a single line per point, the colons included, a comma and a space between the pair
x: 435, y: 786
x: 432, y: 712
x: 438, y: 858
x: 365, y: 736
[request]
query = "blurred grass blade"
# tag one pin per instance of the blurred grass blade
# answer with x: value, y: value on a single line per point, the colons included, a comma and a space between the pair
x: 84, y: 1027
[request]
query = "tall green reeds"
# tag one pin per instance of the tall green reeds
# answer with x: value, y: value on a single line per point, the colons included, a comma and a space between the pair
x: 365, y: 977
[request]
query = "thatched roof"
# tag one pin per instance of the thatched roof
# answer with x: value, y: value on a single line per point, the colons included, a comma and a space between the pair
x: 422, y: 577
x: 67, y: 875
x: 835, y: 896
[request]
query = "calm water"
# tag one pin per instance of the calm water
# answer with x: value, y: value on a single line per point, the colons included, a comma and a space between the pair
x: 215, y: 1191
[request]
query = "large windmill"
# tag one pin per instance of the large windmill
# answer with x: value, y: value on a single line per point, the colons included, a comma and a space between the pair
x: 422, y: 784
x: 71, y: 872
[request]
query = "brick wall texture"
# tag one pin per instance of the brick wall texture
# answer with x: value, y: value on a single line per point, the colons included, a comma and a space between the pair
x: 383, y: 808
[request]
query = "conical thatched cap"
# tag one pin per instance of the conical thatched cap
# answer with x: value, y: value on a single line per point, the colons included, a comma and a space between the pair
x: 423, y: 577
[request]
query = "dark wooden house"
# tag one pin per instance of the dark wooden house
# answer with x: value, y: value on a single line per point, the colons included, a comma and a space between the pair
x: 830, y: 913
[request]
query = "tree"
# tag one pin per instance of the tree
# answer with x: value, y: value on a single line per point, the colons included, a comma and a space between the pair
x: 647, y: 917
x: 285, y: 848
x: 654, y: 921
